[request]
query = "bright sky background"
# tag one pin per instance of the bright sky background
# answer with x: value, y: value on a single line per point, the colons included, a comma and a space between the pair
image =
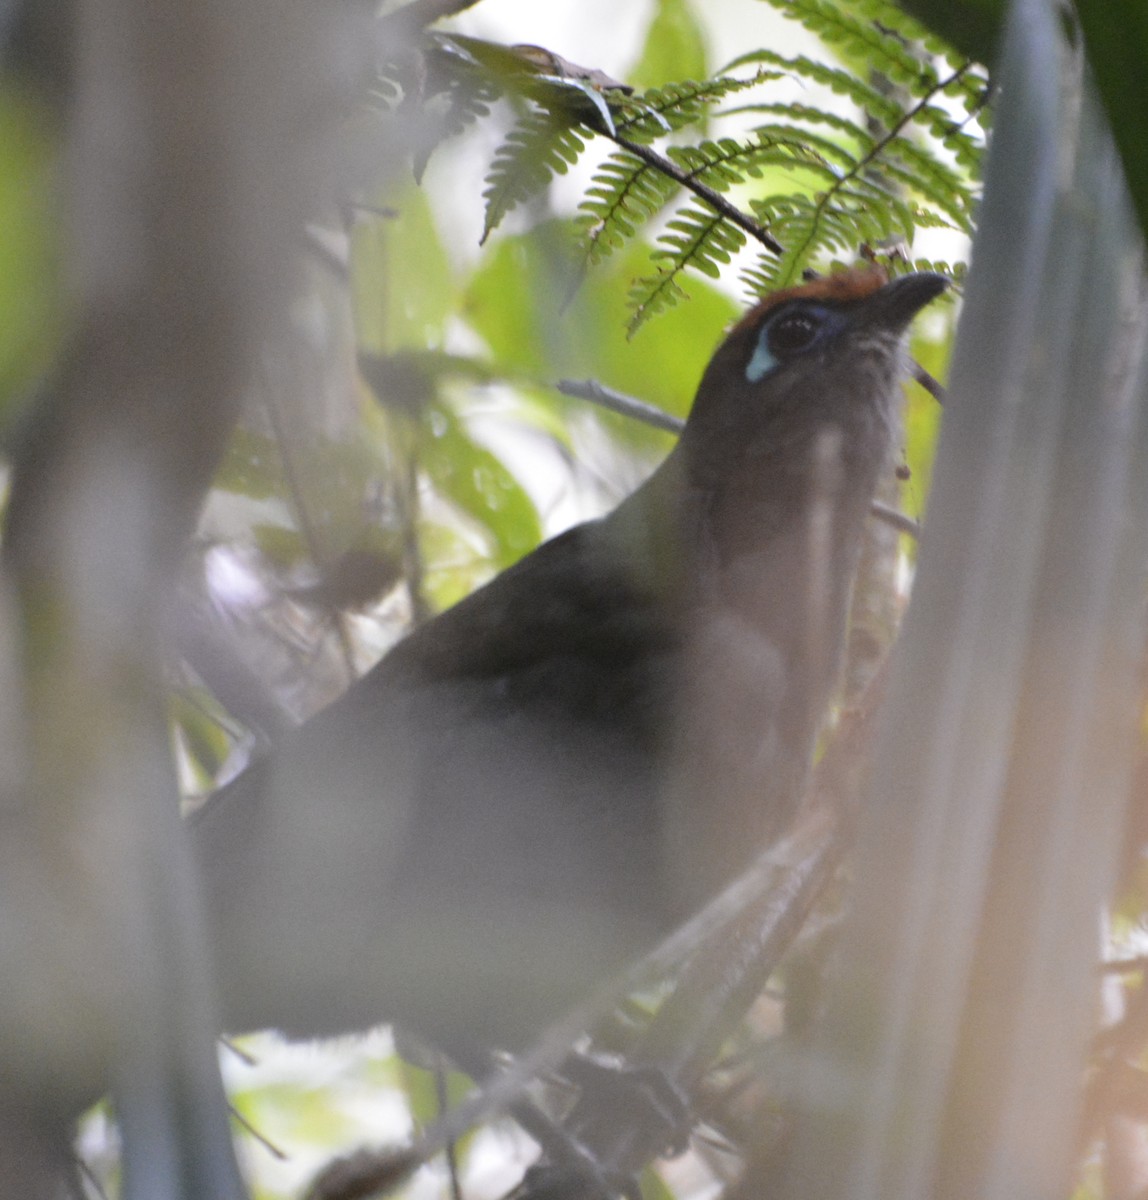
x: 607, y: 33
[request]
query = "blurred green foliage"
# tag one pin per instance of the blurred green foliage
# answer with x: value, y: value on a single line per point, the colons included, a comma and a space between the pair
x: 675, y: 47
x: 430, y: 433
x: 519, y: 301
x: 31, y: 302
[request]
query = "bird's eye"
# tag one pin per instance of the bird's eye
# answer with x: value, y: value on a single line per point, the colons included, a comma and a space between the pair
x: 786, y: 335
x: 793, y: 333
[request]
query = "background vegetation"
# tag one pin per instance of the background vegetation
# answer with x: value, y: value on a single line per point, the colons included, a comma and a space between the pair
x: 621, y: 230
x: 507, y: 220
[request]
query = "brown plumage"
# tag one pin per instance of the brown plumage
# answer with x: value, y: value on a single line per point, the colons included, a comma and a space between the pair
x: 535, y: 786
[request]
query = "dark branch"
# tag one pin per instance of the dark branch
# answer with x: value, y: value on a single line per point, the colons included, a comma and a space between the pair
x: 715, y: 200
x: 934, y: 387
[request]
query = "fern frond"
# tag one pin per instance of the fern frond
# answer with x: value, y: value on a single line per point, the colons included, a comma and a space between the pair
x: 866, y: 38
x: 919, y: 170
x: 838, y: 80
x: 791, y: 218
x: 855, y: 180
x: 809, y: 116
x: 628, y: 190
x: 699, y: 238
x: 973, y: 89
x: 624, y: 194
x: 454, y: 96
x: 894, y: 18
x: 806, y: 144
x: 928, y: 218
x: 885, y: 35
x: 696, y: 237
x: 887, y: 210
x: 808, y: 227
x: 539, y: 147
x: 760, y: 276
x: 674, y: 106
x: 963, y: 146
x: 723, y: 163
x: 650, y: 296
x: 955, y: 271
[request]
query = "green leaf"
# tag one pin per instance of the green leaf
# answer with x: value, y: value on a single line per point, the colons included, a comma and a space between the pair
x: 204, y: 739
x: 677, y: 105
x: 252, y: 466
x: 879, y: 44
x: 1116, y: 38
x: 31, y: 299
x: 423, y: 1094
x: 480, y: 485
x: 539, y: 147
x: 402, y: 283
x: 675, y: 47
x: 515, y: 302
x: 972, y: 26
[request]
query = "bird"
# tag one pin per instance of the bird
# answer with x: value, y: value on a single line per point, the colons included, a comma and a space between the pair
x: 534, y: 787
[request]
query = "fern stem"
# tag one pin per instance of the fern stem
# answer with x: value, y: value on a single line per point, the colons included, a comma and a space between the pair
x: 703, y: 191
x: 907, y: 118
x: 879, y: 147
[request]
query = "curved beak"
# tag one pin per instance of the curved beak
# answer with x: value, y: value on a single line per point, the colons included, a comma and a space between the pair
x: 893, y: 306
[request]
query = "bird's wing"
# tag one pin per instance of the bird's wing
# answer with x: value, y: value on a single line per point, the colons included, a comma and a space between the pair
x: 488, y: 789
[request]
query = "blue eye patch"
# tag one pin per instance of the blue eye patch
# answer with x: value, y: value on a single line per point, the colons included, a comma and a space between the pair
x: 762, y: 361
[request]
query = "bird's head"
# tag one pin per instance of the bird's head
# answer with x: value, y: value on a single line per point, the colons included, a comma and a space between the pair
x: 826, y: 354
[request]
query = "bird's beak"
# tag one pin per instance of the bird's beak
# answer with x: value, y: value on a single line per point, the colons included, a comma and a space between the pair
x: 893, y: 306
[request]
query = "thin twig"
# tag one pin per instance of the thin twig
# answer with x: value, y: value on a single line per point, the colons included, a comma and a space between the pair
x: 619, y: 402
x: 703, y: 191
x: 930, y: 383
x: 261, y: 1138
x: 248, y: 1060
x: 90, y: 1177
x: 442, y: 1101
x: 891, y: 516
x: 649, y: 414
